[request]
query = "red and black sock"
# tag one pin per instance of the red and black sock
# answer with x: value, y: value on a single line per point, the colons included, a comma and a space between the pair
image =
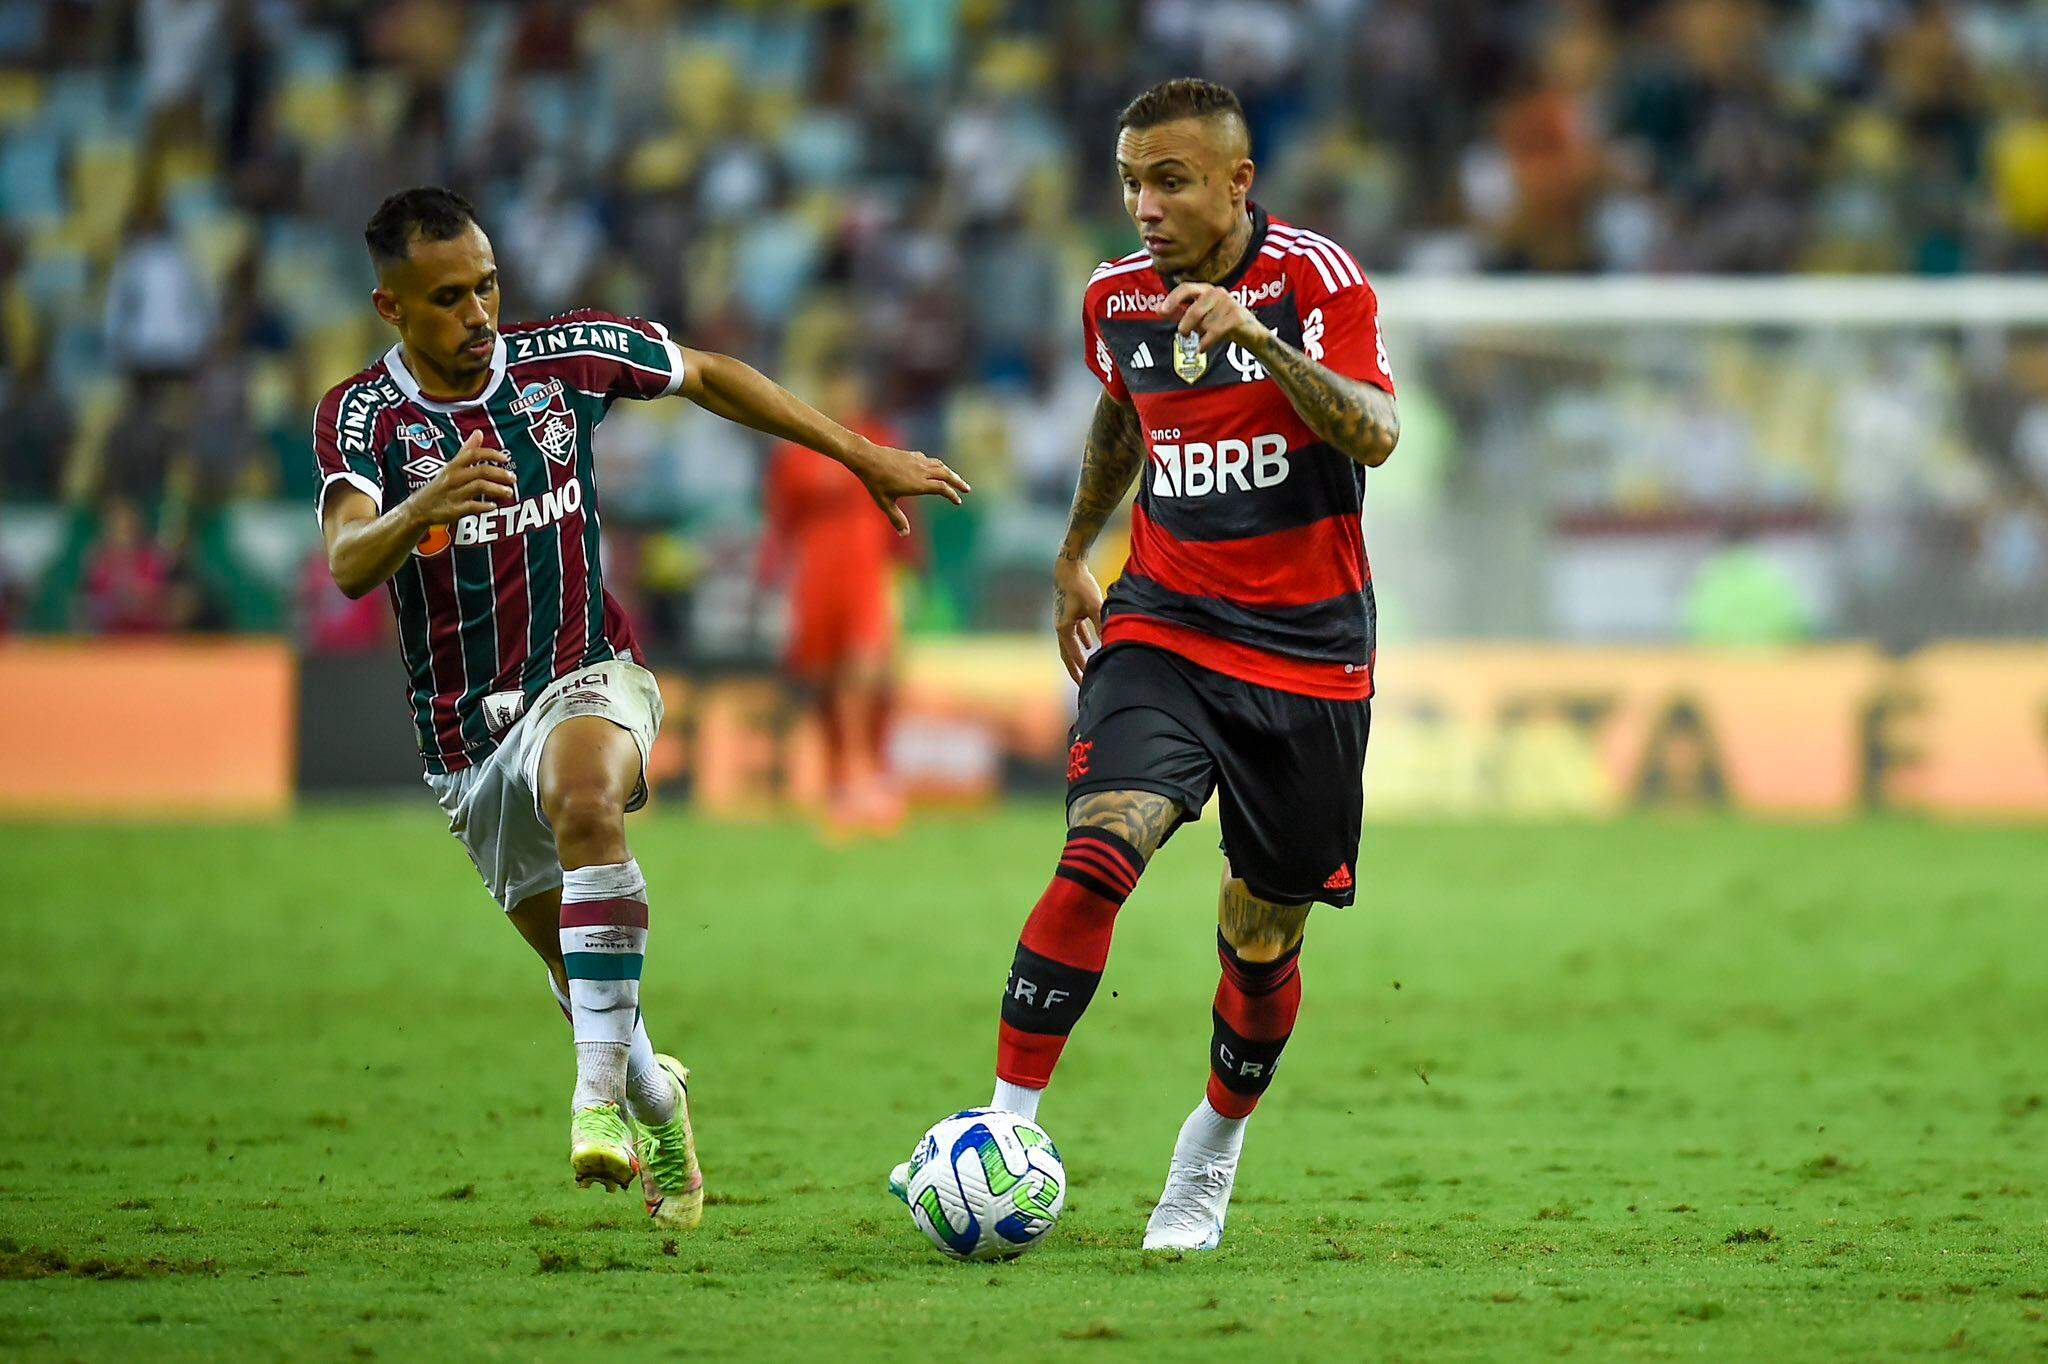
x: 1061, y: 953
x: 1256, y: 1003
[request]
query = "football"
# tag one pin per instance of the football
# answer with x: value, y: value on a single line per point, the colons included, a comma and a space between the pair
x: 986, y: 1185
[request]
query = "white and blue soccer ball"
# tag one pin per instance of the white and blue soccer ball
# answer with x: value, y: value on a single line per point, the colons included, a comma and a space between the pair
x: 986, y: 1185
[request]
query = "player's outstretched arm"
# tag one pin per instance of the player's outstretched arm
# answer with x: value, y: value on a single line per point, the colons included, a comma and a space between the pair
x: 1110, y: 460
x: 1356, y: 417
x: 364, y: 548
x: 738, y: 392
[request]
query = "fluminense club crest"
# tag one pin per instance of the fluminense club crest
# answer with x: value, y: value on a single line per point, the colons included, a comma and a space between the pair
x: 545, y: 405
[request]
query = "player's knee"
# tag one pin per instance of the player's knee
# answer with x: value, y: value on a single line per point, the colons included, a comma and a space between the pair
x: 1259, y: 930
x: 585, y: 817
x: 1142, y: 819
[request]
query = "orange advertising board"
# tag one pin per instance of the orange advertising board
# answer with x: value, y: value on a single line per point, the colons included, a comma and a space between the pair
x: 158, y: 728
x: 207, y: 728
x: 1512, y: 730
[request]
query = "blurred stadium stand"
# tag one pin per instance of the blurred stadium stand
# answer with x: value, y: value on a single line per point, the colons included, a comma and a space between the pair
x: 183, y: 185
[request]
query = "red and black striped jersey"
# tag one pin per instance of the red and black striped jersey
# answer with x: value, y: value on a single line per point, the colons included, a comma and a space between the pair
x: 494, y: 608
x: 1247, y: 545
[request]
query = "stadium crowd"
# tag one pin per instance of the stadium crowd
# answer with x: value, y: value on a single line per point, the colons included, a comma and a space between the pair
x: 183, y: 185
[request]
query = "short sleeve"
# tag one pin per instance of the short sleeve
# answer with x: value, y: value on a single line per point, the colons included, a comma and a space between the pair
x: 1340, y: 314
x: 1100, y: 361
x: 344, y: 427
x: 648, y: 362
x: 1342, y: 332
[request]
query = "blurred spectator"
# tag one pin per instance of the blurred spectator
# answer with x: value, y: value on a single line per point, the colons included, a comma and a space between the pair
x: 129, y: 584
x: 329, y: 623
x: 178, y: 40
x: 824, y: 542
x: 159, y: 312
x: 1742, y: 596
x: 35, y: 432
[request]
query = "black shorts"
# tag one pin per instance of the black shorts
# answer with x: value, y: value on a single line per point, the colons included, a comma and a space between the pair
x: 1291, y: 767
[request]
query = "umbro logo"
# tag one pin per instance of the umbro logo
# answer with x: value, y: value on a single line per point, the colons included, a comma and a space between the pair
x: 1141, y: 358
x: 424, y: 467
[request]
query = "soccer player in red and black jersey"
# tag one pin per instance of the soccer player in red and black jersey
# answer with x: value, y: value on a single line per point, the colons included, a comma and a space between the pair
x: 457, y: 472
x: 1246, y: 392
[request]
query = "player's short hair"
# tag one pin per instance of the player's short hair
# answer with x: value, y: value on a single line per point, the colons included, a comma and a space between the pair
x: 1182, y: 97
x: 427, y: 212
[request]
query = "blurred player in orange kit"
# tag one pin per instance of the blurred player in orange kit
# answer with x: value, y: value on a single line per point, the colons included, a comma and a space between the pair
x: 840, y: 573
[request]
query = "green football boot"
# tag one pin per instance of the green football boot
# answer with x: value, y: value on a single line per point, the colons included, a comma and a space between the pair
x: 601, y: 1148
x: 670, y: 1175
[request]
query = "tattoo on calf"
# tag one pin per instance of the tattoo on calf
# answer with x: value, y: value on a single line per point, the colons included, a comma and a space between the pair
x: 1256, y: 927
x: 1140, y: 818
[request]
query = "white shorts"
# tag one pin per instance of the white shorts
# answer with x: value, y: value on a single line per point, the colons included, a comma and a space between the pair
x: 494, y: 807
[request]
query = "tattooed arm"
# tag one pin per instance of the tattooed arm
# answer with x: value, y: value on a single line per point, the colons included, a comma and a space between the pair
x: 1110, y: 460
x: 1356, y: 417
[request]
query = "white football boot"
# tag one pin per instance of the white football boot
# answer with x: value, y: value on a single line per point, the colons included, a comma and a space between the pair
x: 1193, y: 1205
x: 1196, y: 1200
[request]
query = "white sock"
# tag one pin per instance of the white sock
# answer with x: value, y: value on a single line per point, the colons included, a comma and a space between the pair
x: 1209, y: 1133
x: 600, y: 1075
x: 604, y: 942
x: 1016, y: 1099
x: 648, y: 1091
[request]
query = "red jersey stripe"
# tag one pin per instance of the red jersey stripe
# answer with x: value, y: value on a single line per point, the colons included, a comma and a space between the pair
x: 574, y: 635
x: 444, y: 648
x: 1329, y: 681
x: 508, y: 572
x: 1295, y: 567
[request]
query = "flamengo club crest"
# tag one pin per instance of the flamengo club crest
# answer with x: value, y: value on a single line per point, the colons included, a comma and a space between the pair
x: 548, y: 421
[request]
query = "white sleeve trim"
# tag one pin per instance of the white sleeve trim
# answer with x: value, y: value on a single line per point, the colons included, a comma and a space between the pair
x: 675, y: 358
x: 354, y: 480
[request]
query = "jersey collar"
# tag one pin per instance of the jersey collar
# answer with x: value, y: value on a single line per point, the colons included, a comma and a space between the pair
x: 1244, y: 264
x: 394, y: 361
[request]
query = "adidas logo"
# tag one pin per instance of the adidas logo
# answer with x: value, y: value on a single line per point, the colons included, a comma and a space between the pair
x: 1141, y: 358
x: 1340, y: 879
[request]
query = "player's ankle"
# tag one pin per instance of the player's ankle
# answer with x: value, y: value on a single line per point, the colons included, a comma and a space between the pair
x: 1014, y: 1098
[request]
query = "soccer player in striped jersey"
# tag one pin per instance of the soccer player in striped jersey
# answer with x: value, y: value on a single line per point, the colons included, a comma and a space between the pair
x: 1246, y: 392
x: 458, y: 473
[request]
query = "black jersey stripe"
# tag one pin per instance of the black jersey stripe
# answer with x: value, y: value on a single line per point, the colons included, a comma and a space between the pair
x: 1337, y: 630
x: 1320, y: 483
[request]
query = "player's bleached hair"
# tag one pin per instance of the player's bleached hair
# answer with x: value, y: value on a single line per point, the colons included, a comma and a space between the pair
x: 1182, y: 97
x: 427, y: 212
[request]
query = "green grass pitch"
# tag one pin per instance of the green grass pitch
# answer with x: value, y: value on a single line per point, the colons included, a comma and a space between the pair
x: 1634, y: 1090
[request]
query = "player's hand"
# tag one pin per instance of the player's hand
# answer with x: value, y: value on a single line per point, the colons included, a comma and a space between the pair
x: 1211, y: 315
x: 1076, y: 613
x: 478, y: 479
x: 890, y: 473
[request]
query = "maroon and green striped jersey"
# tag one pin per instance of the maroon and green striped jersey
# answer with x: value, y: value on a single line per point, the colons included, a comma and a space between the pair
x: 494, y: 608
